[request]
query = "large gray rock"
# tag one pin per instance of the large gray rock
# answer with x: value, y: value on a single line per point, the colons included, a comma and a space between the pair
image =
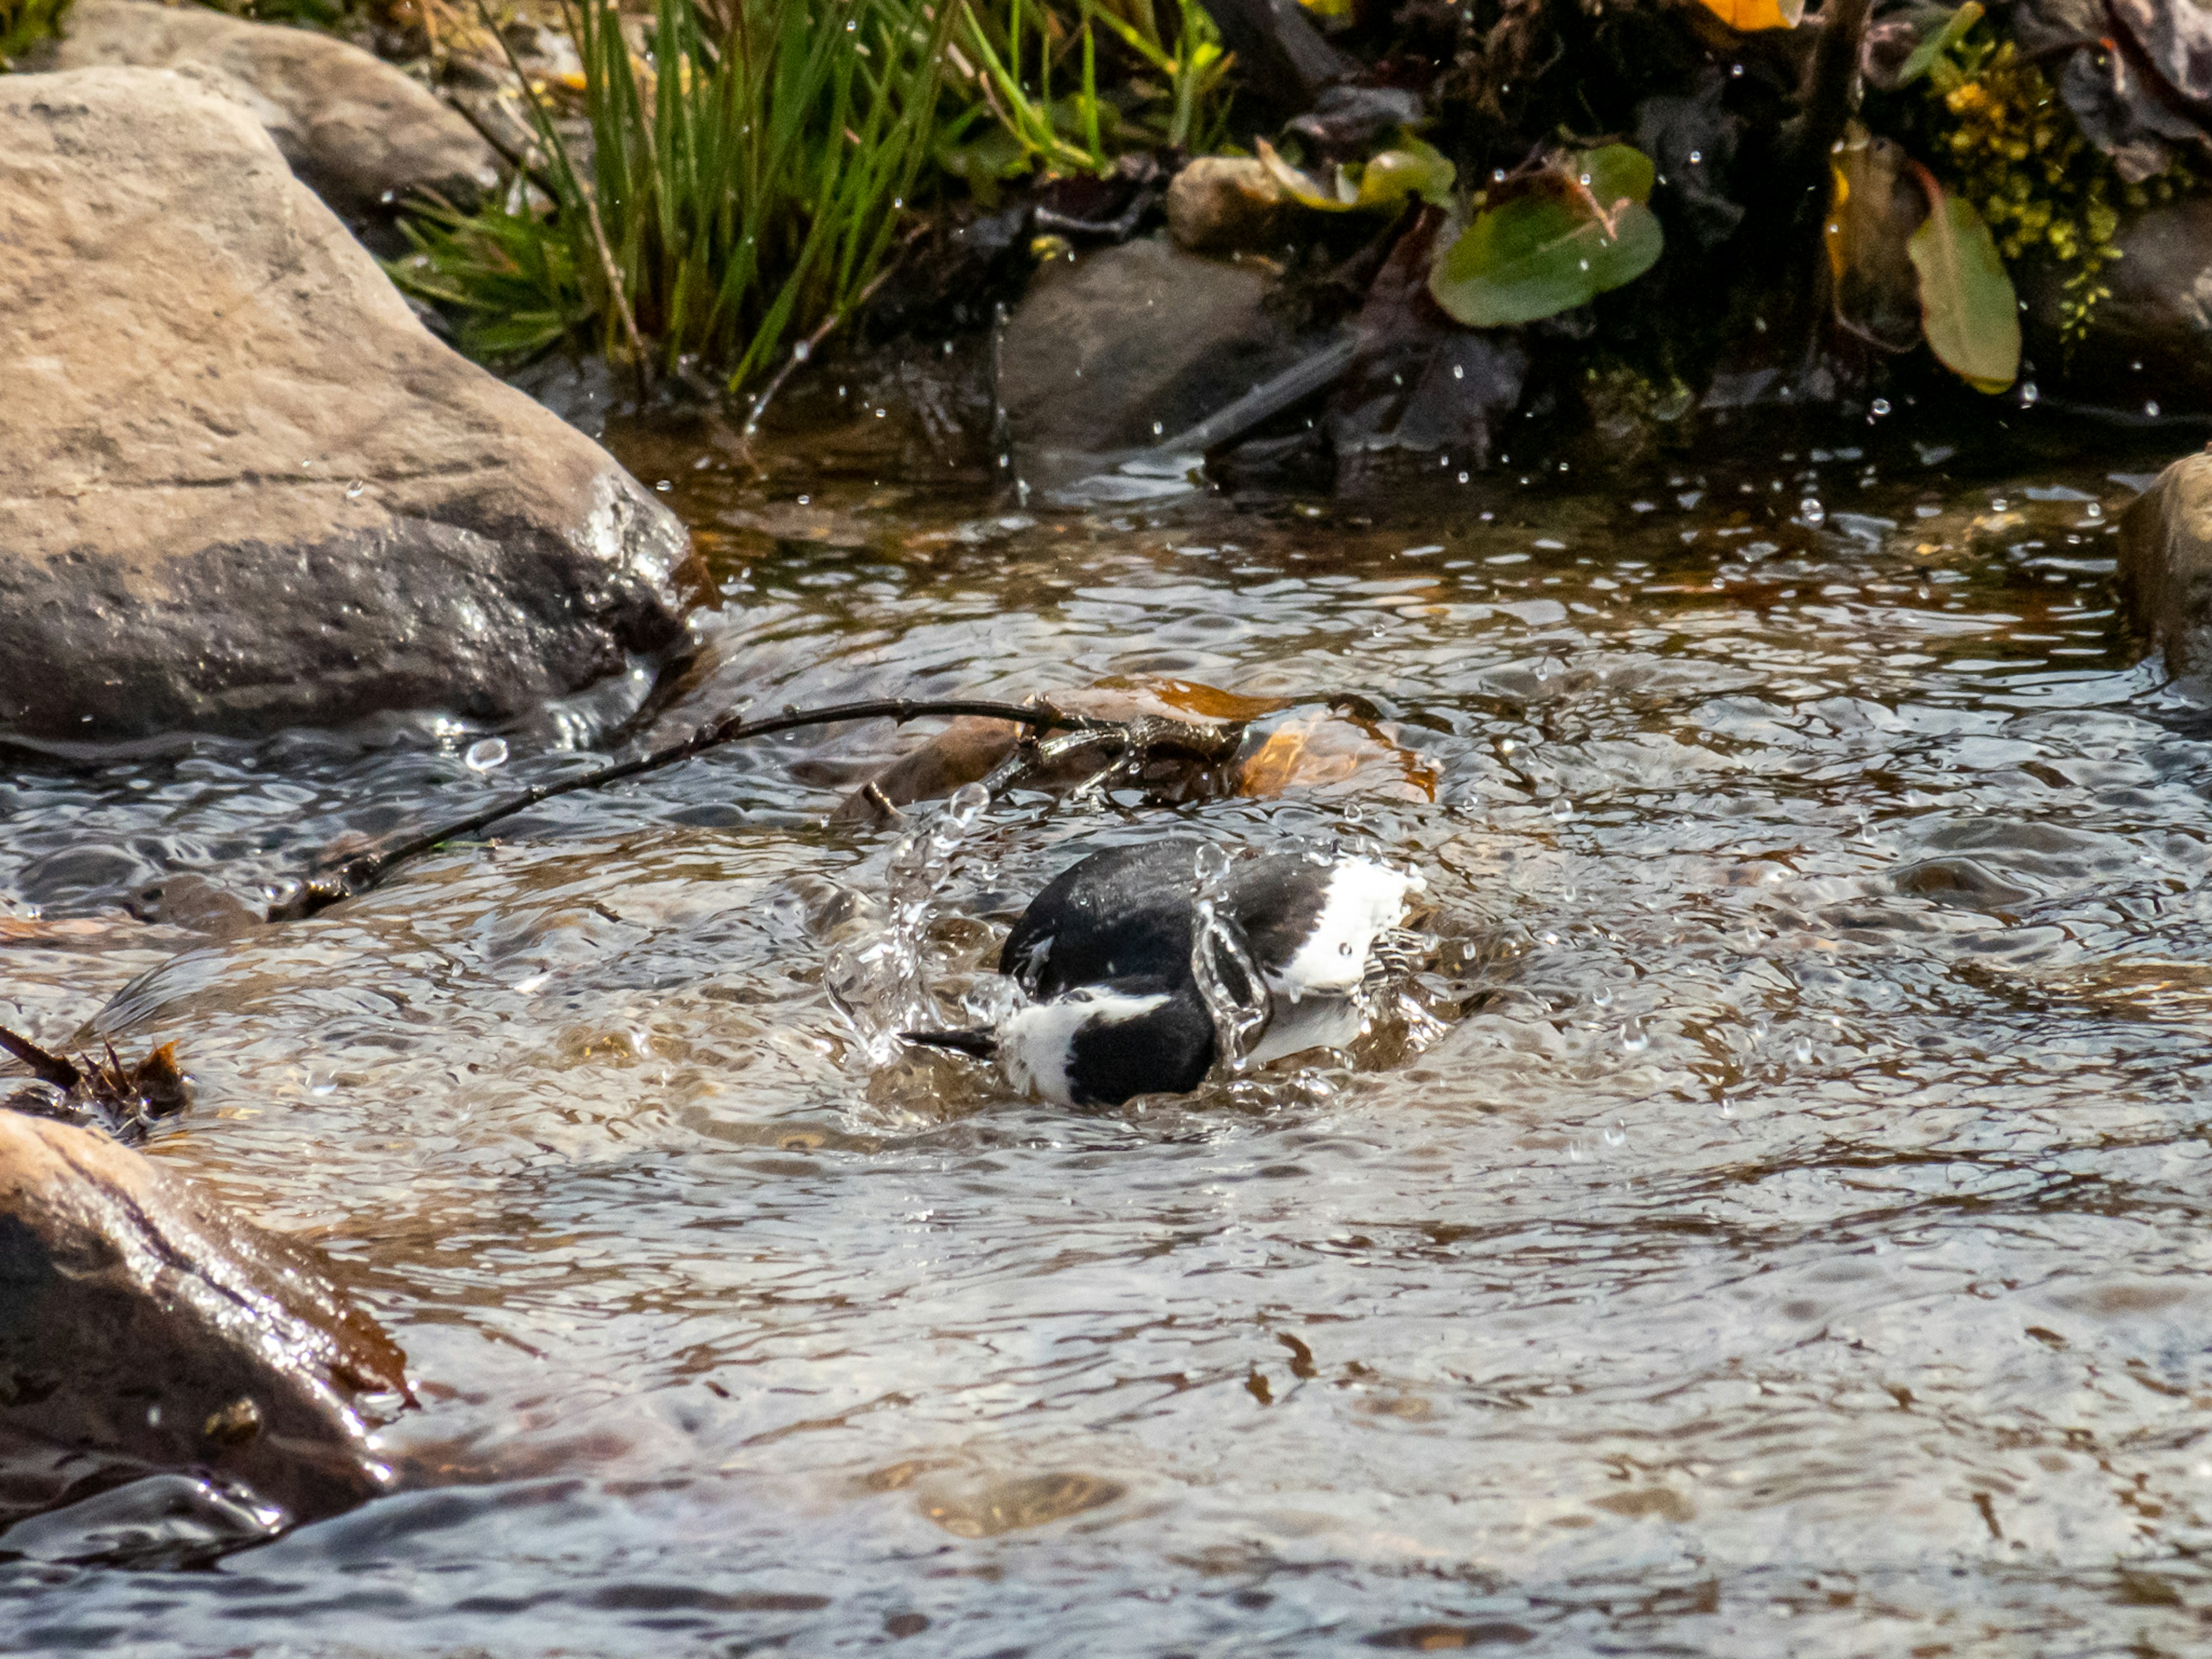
x: 357, y: 131
x: 142, y: 1330
x: 240, y: 486
x: 1136, y: 343
x: 2166, y: 564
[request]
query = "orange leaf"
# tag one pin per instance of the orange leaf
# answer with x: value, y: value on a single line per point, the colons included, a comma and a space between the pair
x: 1746, y: 16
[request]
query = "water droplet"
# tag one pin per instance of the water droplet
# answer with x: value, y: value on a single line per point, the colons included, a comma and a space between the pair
x: 2151, y: 409
x: 1616, y: 1134
x: 2000, y: 504
x: 2093, y: 510
x: 322, y: 1080
x: 802, y: 351
x: 1459, y: 373
x: 1563, y: 809
x: 1158, y: 430
x: 1880, y: 406
x: 967, y: 804
x: 355, y: 491
x: 1462, y: 478
x: 807, y: 500
x: 1697, y: 157
x: 1802, y: 1050
x: 2028, y: 394
x: 485, y: 753
x: 1586, y: 180
x: 1736, y: 69
x: 664, y: 486
x: 1812, y: 512
x: 1585, y: 264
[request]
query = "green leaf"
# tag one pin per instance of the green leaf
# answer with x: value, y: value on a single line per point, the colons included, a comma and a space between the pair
x: 1582, y: 230
x: 1967, y: 307
x: 1925, y: 54
x: 1409, y: 167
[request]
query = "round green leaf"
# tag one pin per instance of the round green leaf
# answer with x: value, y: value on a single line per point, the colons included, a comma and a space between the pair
x: 1584, y: 230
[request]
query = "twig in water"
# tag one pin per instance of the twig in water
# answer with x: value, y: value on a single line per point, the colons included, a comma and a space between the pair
x: 358, y: 874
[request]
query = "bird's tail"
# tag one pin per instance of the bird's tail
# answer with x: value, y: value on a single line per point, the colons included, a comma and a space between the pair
x: 978, y: 1041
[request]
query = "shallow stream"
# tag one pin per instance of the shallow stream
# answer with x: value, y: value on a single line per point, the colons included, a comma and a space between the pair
x: 1789, y: 1238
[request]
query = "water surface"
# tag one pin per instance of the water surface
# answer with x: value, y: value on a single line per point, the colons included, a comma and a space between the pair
x: 1790, y: 1236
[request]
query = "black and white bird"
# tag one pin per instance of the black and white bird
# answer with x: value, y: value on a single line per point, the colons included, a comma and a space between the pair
x: 1115, y: 1004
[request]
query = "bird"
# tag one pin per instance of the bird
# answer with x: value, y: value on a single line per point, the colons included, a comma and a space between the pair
x: 1107, y: 958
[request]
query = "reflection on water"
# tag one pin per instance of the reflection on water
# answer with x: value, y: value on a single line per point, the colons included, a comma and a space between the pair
x: 1797, y: 1246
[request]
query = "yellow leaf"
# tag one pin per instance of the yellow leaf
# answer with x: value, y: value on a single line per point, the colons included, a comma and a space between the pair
x: 1746, y: 16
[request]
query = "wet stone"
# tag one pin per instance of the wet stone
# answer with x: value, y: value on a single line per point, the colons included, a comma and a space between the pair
x: 2166, y: 564
x: 2147, y: 351
x: 1120, y: 349
x: 144, y: 1332
x: 358, y: 132
x: 240, y: 487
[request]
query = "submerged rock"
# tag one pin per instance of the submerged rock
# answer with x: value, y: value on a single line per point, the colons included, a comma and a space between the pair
x: 2166, y: 564
x: 1132, y: 344
x: 240, y: 486
x: 144, y: 1332
x: 357, y: 131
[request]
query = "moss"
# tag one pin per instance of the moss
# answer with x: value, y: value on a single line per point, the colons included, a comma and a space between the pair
x: 1997, y: 133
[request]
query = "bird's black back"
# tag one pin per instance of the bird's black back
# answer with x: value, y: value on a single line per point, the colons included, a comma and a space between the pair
x: 1130, y: 912
x: 1127, y: 912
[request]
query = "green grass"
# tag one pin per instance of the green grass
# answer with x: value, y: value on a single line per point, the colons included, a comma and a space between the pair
x: 24, y: 23
x: 745, y: 187
x: 752, y: 171
x: 1009, y: 61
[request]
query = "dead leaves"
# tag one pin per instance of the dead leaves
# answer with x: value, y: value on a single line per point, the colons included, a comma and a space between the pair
x: 1746, y: 16
x: 102, y: 1092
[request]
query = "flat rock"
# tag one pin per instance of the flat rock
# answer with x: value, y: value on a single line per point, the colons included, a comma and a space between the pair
x: 2166, y: 564
x: 144, y: 1332
x: 240, y: 486
x: 1120, y: 347
x: 358, y: 132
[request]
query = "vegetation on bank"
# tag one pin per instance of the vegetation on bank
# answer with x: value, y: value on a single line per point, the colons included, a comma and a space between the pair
x: 733, y: 178
x: 24, y: 23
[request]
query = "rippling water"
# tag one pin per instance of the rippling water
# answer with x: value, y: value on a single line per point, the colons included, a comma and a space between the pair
x: 1796, y: 1245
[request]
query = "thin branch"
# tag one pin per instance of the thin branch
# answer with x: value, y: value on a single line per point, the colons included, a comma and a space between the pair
x: 358, y: 874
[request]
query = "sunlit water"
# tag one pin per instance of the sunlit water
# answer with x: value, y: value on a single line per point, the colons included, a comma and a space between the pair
x: 1796, y: 1245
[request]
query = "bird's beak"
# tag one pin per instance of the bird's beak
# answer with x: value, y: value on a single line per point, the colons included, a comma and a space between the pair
x: 975, y: 1041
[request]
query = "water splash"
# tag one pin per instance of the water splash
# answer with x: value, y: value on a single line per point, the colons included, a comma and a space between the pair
x: 1228, y: 981
x: 876, y: 978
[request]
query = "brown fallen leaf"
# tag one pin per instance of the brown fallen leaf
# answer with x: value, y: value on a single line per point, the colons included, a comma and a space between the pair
x: 1328, y: 749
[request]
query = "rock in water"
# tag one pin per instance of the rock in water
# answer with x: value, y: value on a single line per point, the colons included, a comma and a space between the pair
x: 143, y: 1331
x: 240, y: 486
x: 357, y: 131
x: 1134, y: 344
x: 2166, y: 564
